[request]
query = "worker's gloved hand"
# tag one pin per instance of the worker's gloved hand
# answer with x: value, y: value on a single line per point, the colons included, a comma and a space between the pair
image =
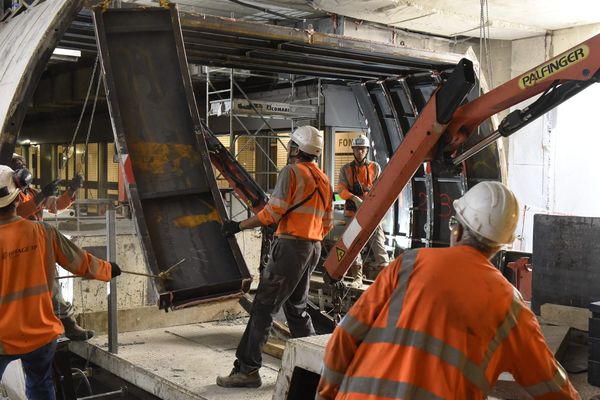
x: 230, y: 228
x: 114, y: 270
x: 329, y: 281
x: 51, y: 189
x: 357, y: 200
x: 76, y: 183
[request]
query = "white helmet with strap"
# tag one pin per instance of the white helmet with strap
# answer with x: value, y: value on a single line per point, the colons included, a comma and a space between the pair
x: 490, y: 211
x: 8, y: 188
x: 309, y: 140
x: 361, y: 141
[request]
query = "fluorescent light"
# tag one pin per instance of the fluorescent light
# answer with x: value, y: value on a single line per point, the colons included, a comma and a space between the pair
x: 66, y: 52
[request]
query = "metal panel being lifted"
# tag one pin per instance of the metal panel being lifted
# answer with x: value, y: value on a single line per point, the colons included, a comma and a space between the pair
x: 177, y: 206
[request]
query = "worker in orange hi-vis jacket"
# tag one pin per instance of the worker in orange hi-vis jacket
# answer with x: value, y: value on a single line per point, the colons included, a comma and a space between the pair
x: 356, y: 181
x: 28, y: 253
x: 302, y: 206
x: 443, y: 323
x: 31, y: 206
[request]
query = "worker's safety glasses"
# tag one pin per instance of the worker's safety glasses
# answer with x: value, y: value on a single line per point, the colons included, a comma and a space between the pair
x: 452, y: 222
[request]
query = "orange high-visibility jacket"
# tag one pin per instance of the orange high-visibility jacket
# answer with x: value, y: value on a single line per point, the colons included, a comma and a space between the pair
x: 366, y: 174
x: 28, y: 253
x: 298, y: 183
x: 30, y: 210
x: 352, y: 173
x: 439, y: 324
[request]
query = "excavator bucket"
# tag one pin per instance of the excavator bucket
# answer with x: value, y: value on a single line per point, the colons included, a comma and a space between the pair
x: 177, y: 206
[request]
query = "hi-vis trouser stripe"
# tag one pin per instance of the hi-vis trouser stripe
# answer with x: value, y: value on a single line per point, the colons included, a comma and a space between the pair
x: 474, y: 373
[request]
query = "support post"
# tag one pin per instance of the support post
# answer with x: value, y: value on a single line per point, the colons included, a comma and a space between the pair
x: 111, y: 255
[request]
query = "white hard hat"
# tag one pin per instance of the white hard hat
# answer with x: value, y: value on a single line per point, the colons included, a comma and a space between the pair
x: 361, y: 141
x: 489, y: 210
x: 309, y: 140
x: 8, y: 188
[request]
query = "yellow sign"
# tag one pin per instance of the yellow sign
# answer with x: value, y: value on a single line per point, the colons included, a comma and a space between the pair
x: 340, y: 253
x: 343, y: 141
x: 554, y: 66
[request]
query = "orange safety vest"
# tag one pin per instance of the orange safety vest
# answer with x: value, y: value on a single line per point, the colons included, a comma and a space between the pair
x: 358, y: 180
x: 439, y: 324
x: 30, y: 210
x: 28, y: 253
x: 301, y: 203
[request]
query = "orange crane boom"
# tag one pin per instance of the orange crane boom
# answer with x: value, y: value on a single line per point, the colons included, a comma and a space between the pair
x: 444, y: 125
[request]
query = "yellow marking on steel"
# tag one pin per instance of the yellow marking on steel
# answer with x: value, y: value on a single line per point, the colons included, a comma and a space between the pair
x: 192, y: 221
x: 340, y: 253
x: 156, y: 158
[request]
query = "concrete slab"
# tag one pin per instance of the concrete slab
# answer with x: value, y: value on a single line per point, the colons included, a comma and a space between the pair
x: 150, y: 317
x: 180, y: 362
x: 306, y: 353
x: 558, y: 314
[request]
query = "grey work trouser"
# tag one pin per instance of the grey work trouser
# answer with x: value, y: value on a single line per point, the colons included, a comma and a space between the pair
x: 375, y: 246
x: 284, y: 282
x: 62, y: 308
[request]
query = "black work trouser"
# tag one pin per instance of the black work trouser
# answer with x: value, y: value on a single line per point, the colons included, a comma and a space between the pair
x: 284, y: 282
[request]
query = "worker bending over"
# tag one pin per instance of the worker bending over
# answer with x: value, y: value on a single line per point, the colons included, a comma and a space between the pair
x: 301, y: 204
x: 28, y: 253
x: 31, y: 206
x: 443, y: 323
x: 356, y: 181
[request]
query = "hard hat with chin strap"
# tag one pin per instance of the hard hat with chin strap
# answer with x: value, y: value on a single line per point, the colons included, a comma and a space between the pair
x: 361, y: 141
x: 309, y: 140
x: 8, y: 188
x: 490, y: 211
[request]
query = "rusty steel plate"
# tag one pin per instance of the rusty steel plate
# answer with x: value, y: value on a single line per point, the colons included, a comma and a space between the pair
x: 177, y: 206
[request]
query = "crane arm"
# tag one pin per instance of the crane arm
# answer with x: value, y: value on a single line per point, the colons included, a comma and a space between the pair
x: 444, y: 122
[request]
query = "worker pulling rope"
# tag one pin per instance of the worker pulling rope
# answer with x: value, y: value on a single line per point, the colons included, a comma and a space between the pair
x: 163, y: 275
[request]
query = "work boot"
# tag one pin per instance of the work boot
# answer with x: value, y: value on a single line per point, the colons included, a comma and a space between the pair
x: 238, y: 379
x: 356, y: 273
x: 74, y: 331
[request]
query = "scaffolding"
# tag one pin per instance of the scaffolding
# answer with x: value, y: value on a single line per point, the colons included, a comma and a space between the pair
x: 235, y: 104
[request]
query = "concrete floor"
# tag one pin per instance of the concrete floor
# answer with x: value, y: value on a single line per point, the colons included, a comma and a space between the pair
x: 181, y: 362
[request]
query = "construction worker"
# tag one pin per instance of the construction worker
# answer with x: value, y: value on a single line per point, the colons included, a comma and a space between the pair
x: 301, y: 205
x: 31, y: 206
x: 28, y: 253
x: 443, y: 323
x: 356, y: 181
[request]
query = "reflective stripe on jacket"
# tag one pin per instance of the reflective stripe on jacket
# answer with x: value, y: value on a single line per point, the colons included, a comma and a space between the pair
x: 30, y: 210
x: 28, y: 253
x: 295, y: 183
x: 439, y: 324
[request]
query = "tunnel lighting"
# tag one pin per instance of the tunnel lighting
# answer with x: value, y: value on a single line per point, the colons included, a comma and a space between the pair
x: 66, y: 52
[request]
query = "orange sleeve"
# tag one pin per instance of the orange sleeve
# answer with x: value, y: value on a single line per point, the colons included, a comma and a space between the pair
x: 350, y: 333
x: 280, y: 199
x: 27, y: 207
x: 55, y: 204
x: 76, y: 260
x: 344, y: 184
x: 328, y: 219
x: 526, y: 356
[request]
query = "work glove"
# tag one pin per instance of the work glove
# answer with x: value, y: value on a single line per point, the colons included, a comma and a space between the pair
x: 114, y: 270
x: 329, y: 281
x: 230, y: 228
x: 357, y: 200
x: 51, y: 189
x: 76, y: 183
